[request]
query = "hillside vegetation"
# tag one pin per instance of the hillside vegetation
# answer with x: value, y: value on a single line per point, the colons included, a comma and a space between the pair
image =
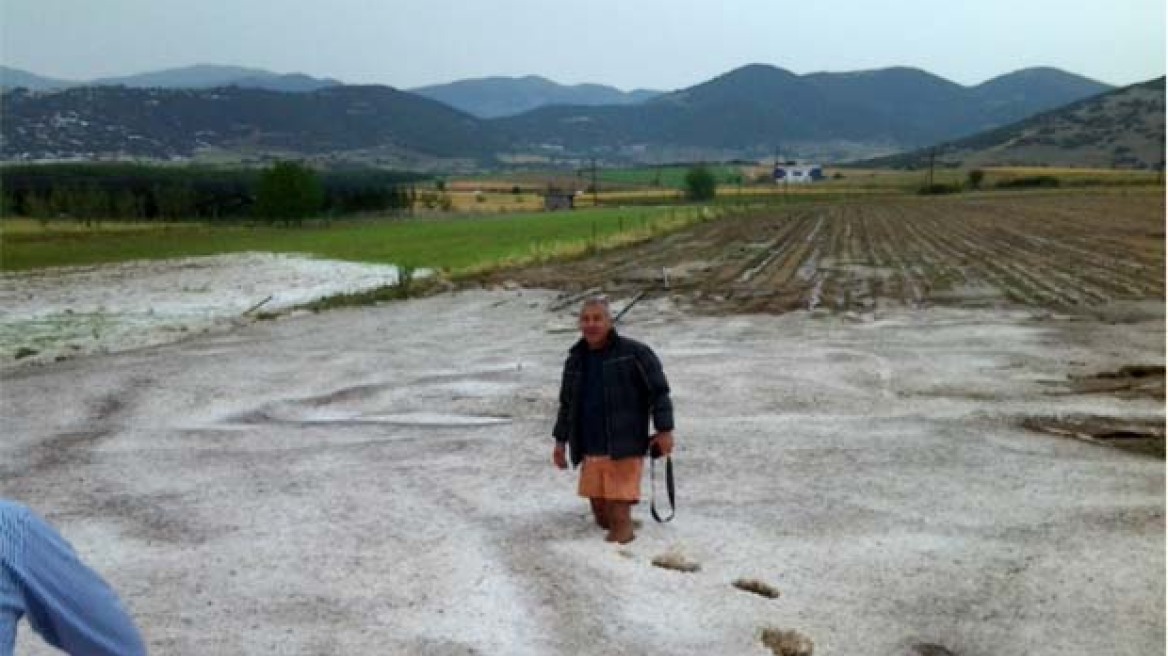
x: 1120, y: 129
x: 493, y: 97
x: 753, y: 112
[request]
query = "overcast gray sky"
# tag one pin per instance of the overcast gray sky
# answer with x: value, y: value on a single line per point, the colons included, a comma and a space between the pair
x: 626, y: 43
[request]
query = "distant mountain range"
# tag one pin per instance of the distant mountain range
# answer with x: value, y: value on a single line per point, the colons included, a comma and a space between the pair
x: 493, y: 97
x: 754, y: 112
x: 200, y: 76
x: 1120, y: 129
x: 14, y: 78
x: 758, y: 110
x: 375, y: 124
x: 489, y: 97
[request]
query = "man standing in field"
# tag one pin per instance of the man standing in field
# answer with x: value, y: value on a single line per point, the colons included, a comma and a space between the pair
x: 611, y: 387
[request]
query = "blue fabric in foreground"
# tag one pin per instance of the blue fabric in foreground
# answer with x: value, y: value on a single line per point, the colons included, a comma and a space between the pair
x: 65, y: 601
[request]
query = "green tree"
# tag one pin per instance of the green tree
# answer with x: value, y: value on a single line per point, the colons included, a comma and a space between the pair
x: 90, y: 204
x: 127, y: 205
x: 39, y: 206
x: 700, y: 183
x: 61, y: 201
x: 288, y: 192
x: 176, y: 201
x: 975, y: 178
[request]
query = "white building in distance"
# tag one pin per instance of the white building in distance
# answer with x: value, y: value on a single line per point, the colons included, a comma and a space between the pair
x: 798, y: 173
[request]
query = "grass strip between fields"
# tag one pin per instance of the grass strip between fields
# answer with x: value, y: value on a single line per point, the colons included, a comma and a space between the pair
x: 455, y: 246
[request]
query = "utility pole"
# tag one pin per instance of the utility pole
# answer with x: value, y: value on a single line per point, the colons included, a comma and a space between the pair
x: 595, y: 201
x: 932, y: 157
x: 786, y: 181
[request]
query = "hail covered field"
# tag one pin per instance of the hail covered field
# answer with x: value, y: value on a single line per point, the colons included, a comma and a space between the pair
x: 930, y: 425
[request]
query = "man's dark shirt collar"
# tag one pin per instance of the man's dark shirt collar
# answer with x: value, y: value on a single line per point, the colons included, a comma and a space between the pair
x: 581, y: 346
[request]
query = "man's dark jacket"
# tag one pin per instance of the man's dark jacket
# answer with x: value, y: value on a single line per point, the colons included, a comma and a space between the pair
x: 634, y: 388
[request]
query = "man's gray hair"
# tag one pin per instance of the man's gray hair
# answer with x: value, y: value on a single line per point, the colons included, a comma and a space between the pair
x: 600, y: 301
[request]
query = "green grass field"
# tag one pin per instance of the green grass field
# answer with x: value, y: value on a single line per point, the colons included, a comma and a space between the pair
x: 456, y: 245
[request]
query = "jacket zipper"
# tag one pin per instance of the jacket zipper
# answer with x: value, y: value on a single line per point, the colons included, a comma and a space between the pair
x: 607, y: 413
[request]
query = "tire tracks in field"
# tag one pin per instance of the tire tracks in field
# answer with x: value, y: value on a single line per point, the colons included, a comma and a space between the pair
x: 789, y: 280
x: 1095, y: 269
x: 745, y: 281
x: 943, y: 239
x: 77, y: 453
x: 1048, y: 241
x: 869, y: 288
x: 778, y: 247
x: 1041, y: 250
x: 994, y: 262
x: 1015, y: 257
x: 911, y: 292
x: 1080, y: 260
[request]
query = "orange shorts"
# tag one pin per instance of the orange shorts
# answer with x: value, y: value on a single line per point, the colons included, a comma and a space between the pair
x: 602, y: 477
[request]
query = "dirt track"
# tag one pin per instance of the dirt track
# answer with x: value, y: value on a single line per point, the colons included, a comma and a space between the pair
x: 1052, y: 251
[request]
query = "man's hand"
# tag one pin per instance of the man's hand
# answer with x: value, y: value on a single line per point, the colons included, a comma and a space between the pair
x: 664, y: 442
x: 558, y: 456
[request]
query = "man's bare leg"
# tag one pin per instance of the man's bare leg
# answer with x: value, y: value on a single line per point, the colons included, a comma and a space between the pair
x: 600, y: 512
x: 620, y: 521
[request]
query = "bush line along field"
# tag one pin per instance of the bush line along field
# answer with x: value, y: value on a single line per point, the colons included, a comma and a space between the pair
x: 455, y: 245
x: 753, y: 182
x: 502, y: 233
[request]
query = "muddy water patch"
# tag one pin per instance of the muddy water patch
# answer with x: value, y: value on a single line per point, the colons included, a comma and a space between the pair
x: 309, y: 416
x: 437, y: 419
x: 676, y: 562
x: 1144, y: 436
x: 347, y: 394
x: 755, y: 586
x: 1132, y: 381
x: 787, y: 642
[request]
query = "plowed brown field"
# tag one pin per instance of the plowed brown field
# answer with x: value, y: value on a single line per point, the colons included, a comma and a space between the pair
x: 1049, y: 250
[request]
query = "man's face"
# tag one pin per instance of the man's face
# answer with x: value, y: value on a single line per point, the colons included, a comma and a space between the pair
x: 594, y: 324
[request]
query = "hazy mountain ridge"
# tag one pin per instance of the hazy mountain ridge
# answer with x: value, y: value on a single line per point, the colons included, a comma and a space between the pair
x: 758, y: 109
x: 488, y: 97
x: 1123, y: 128
x: 199, y: 76
x: 755, y: 111
x: 104, y: 122
x: 13, y: 78
x: 494, y: 97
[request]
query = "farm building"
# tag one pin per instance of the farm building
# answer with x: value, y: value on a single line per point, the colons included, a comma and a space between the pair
x: 558, y: 200
x: 798, y: 173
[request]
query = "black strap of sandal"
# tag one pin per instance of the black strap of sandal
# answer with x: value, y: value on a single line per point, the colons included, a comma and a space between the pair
x: 668, y: 488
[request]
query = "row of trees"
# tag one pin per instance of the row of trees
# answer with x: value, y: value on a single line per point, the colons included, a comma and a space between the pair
x: 92, y: 203
x: 287, y: 192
